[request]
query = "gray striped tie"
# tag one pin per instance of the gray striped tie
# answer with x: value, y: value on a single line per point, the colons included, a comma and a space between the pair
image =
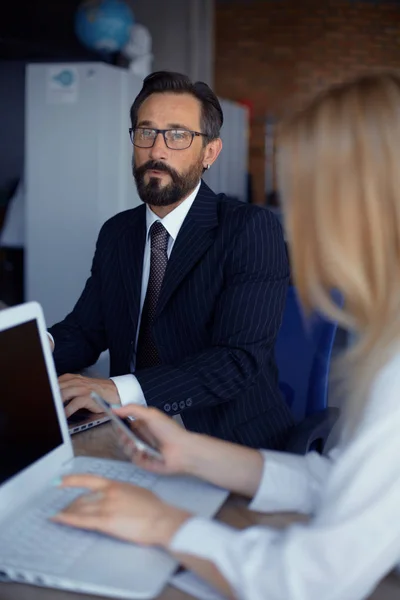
x: 147, y: 354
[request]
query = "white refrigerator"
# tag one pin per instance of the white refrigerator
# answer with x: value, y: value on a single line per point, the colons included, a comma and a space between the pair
x: 77, y: 173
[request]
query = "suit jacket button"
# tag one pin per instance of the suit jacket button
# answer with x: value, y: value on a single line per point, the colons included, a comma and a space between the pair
x: 189, y: 402
x: 182, y: 404
x: 167, y: 407
x: 175, y: 406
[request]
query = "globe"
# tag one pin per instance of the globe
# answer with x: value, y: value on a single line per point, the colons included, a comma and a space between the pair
x: 104, y: 25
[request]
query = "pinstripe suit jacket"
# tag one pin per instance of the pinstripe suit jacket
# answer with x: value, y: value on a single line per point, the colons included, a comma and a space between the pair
x: 219, y: 311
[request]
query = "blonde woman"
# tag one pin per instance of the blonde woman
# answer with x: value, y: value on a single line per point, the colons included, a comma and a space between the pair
x: 340, y: 178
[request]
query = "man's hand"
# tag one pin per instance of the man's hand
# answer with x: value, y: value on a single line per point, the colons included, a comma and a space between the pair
x: 76, y: 390
x: 121, y: 510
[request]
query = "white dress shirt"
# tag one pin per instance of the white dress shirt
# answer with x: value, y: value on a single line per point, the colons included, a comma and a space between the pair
x: 129, y: 389
x: 353, y: 538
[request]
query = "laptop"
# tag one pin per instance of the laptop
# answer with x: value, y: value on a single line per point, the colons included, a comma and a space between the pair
x: 84, y: 419
x: 35, y: 448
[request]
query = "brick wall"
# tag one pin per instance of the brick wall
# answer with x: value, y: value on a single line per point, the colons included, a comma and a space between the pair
x: 276, y: 53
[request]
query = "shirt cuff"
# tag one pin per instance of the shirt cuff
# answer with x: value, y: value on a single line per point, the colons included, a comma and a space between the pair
x: 285, y: 484
x: 51, y: 337
x: 220, y: 544
x: 203, y: 537
x: 129, y: 390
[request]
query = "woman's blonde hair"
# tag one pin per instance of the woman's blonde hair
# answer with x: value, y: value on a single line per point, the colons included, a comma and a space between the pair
x: 339, y: 174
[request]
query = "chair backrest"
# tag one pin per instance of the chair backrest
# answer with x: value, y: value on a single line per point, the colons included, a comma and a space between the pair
x: 303, y: 354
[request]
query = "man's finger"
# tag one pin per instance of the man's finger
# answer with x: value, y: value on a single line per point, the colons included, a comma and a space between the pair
x: 74, y: 392
x: 68, y: 377
x: 85, y: 480
x: 73, y: 383
x: 78, y: 403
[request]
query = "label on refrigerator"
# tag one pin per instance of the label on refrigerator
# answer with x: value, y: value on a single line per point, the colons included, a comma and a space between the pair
x: 62, y: 85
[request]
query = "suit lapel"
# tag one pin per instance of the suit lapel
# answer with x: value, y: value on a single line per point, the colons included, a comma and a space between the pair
x: 131, y: 250
x: 195, y: 237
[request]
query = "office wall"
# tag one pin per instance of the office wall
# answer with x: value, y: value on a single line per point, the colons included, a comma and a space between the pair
x: 183, y: 35
x: 277, y: 53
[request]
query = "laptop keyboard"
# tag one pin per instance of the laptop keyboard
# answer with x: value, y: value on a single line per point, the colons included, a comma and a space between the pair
x: 119, y: 471
x: 32, y: 542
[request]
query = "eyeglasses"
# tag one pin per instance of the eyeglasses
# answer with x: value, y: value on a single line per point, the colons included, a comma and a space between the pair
x: 175, y: 139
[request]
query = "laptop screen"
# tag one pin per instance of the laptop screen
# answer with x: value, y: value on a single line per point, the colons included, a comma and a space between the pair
x: 29, y: 426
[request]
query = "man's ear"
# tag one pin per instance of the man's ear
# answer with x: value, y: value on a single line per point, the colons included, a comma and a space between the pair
x: 211, y: 152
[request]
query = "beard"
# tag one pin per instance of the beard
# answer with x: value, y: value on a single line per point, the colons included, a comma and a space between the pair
x: 156, y: 194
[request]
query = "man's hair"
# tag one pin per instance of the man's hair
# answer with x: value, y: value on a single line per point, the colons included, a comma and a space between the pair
x: 162, y: 82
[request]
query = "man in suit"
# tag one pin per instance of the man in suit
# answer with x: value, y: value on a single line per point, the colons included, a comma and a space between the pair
x: 186, y: 291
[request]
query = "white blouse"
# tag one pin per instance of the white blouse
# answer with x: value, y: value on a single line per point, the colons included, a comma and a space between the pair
x: 353, y: 538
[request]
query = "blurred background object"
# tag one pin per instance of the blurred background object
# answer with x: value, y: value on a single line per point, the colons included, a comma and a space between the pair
x: 104, y: 25
x: 278, y: 53
x: 138, y: 51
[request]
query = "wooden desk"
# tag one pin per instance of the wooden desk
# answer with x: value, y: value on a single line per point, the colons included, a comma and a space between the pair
x: 100, y: 442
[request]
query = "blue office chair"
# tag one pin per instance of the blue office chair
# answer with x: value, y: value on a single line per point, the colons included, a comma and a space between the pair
x: 303, y: 353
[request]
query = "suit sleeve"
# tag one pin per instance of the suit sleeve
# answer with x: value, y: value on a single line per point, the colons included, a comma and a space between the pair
x: 247, y: 319
x: 80, y: 337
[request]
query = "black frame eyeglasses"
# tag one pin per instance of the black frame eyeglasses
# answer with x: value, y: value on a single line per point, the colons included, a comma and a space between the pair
x: 174, y: 139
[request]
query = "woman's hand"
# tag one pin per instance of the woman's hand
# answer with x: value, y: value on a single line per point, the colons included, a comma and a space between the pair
x: 121, y: 510
x: 227, y: 465
x: 132, y: 514
x: 160, y: 431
